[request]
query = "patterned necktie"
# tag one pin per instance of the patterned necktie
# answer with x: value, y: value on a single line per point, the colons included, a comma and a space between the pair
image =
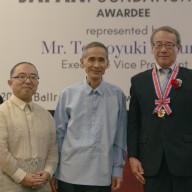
x: 164, y: 75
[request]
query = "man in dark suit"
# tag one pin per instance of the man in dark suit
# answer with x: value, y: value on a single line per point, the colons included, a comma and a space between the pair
x: 1, y: 99
x: 160, y: 120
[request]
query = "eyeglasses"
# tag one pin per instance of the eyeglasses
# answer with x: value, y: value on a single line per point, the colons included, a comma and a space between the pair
x: 25, y: 77
x: 168, y: 46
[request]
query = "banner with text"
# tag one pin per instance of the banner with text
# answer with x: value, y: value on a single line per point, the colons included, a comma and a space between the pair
x: 51, y: 33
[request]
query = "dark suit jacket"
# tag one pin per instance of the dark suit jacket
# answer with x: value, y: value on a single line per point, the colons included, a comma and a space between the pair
x: 1, y: 99
x: 150, y: 136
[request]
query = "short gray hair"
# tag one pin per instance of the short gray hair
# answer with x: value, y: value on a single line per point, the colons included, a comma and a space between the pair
x: 168, y: 29
x: 95, y: 44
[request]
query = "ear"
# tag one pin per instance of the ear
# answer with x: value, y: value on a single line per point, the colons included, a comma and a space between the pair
x: 82, y: 63
x: 9, y: 82
x: 108, y: 64
x: 178, y: 48
x: 151, y: 49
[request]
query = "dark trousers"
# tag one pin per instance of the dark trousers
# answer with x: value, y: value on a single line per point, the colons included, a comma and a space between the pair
x: 68, y: 187
x: 164, y: 181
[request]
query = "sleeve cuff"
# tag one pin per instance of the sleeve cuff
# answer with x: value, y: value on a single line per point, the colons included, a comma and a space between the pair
x: 117, y: 172
x: 19, y: 175
x: 49, y: 170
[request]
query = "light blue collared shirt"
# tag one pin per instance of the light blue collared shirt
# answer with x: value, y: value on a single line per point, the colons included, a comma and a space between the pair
x: 91, y: 133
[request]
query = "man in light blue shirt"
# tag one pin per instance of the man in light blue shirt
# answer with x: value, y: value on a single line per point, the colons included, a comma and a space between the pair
x: 91, y: 121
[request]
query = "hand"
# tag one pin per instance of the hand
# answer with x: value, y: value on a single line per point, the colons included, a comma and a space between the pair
x: 137, y: 169
x: 53, y: 184
x: 116, y: 183
x: 43, y: 177
x: 31, y: 180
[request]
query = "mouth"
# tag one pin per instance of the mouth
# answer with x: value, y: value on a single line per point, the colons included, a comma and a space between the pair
x: 163, y: 57
x: 27, y: 88
x: 96, y: 72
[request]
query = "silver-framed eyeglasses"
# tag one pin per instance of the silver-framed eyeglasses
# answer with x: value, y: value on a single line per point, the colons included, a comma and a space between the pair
x: 167, y: 45
x: 22, y: 77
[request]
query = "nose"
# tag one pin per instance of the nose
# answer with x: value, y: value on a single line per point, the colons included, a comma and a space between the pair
x: 96, y: 63
x: 163, y: 47
x: 28, y: 79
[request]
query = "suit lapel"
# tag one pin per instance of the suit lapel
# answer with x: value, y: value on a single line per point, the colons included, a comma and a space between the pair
x: 150, y: 85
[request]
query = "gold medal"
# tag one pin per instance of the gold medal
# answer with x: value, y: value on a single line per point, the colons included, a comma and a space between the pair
x: 161, y: 113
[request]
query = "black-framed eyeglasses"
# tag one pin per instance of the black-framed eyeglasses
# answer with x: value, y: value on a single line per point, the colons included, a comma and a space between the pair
x: 22, y: 77
x: 168, y: 46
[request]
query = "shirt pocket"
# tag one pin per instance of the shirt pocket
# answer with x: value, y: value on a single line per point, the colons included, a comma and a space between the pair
x: 86, y: 134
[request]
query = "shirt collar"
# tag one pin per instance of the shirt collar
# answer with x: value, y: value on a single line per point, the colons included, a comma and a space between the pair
x: 172, y: 66
x: 20, y: 103
x: 99, y: 89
